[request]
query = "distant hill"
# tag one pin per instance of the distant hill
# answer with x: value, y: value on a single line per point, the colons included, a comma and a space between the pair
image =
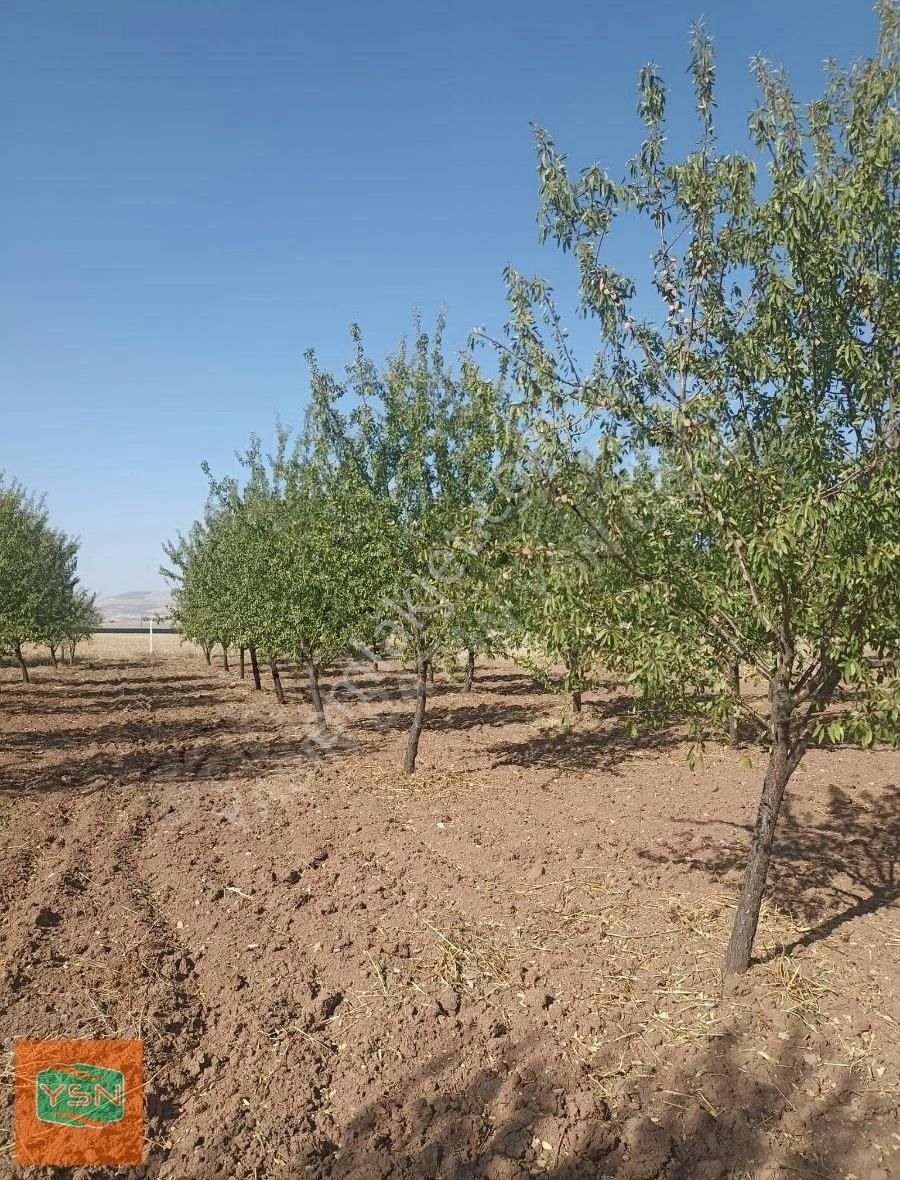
x: 128, y: 609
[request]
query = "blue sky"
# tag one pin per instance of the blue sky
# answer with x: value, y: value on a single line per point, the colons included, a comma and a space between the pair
x: 195, y: 191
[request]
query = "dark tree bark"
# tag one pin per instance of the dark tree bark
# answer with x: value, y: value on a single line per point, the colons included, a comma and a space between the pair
x: 225, y: 658
x: 312, y: 672
x: 276, y: 680
x: 53, y: 660
x: 415, y: 730
x: 242, y: 650
x: 784, y: 757
x: 573, y: 668
x: 430, y: 672
x: 782, y: 764
x: 254, y: 669
x: 734, y: 680
x: 71, y: 652
x: 470, y: 668
x: 206, y: 653
x: 17, y: 648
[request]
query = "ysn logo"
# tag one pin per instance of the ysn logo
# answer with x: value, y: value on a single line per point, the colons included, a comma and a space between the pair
x: 79, y: 1102
x: 80, y: 1095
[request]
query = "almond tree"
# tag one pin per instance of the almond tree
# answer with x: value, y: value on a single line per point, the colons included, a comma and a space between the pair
x: 282, y: 565
x: 763, y: 387
x: 200, y: 587
x: 82, y: 619
x: 39, y: 593
x: 318, y: 556
x: 553, y: 594
x: 474, y: 624
x: 422, y: 441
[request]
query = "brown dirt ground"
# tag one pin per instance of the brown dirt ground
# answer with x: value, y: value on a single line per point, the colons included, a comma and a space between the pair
x: 506, y: 966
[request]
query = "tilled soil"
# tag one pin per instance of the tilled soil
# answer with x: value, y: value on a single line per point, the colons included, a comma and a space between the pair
x: 505, y: 966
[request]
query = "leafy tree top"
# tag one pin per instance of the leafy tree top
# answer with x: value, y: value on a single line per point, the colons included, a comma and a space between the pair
x: 763, y: 389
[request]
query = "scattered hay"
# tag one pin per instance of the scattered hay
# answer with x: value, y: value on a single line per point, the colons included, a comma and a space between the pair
x: 468, y: 955
x: 656, y: 969
x: 424, y: 784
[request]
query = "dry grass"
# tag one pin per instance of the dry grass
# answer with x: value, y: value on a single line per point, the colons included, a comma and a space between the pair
x: 655, y: 976
x: 433, y: 784
x: 105, y: 646
x: 467, y: 955
x: 108, y: 646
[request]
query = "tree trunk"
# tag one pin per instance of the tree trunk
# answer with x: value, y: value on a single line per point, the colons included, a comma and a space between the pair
x: 782, y: 764
x: 374, y: 665
x: 415, y: 730
x: 225, y: 658
x: 734, y: 681
x: 470, y: 668
x: 430, y: 672
x: 316, y: 694
x: 276, y: 680
x: 17, y: 648
x: 53, y: 660
x: 242, y: 662
x: 206, y: 653
x: 784, y: 758
x: 573, y: 673
x: 71, y: 653
x: 254, y: 668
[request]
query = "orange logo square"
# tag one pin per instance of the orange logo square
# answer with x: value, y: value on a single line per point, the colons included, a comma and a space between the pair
x: 79, y: 1102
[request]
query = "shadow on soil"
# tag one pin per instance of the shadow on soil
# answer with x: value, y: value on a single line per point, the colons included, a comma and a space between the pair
x: 157, y: 730
x: 706, y: 1114
x: 448, y: 718
x: 601, y: 740
x: 152, y: 726
x: 827, y: 870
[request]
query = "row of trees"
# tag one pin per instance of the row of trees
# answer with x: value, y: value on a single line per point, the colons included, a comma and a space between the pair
x: 718, y: 490
x: 333, y: 544
x: 41, y: 601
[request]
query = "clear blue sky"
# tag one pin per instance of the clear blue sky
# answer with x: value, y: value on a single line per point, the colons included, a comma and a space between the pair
x: 195, y: 191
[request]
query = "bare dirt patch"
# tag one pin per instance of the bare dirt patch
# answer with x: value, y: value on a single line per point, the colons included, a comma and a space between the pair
x: 505, y: 966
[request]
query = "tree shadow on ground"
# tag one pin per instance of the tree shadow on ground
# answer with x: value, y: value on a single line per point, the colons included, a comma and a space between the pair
x: 360, y: 683
x: 135, y: 700
x: 392, y: 685
x: 93, y: 664
x: 589, y: 745
x: 350, y: 684
x: 502, y: 683
x: 446, y: 719
x: 706, y: 1112
x: 828, y: 870
x: 175, y: 756
x: 563, y: 747
x: 142, y: 744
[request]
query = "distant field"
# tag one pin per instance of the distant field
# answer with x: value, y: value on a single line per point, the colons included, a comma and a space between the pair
x: 104, y: 646
x: 107, y: 646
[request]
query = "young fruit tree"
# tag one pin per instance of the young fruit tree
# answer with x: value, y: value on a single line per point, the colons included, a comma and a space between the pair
x: 552, y: 594
x: 201, y: 587
x: 81, y: 620
x: 755, y: 372
x: 320, y: 557
x: 282, y: 565
x: 422, y: 440
x: 40, y: 600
